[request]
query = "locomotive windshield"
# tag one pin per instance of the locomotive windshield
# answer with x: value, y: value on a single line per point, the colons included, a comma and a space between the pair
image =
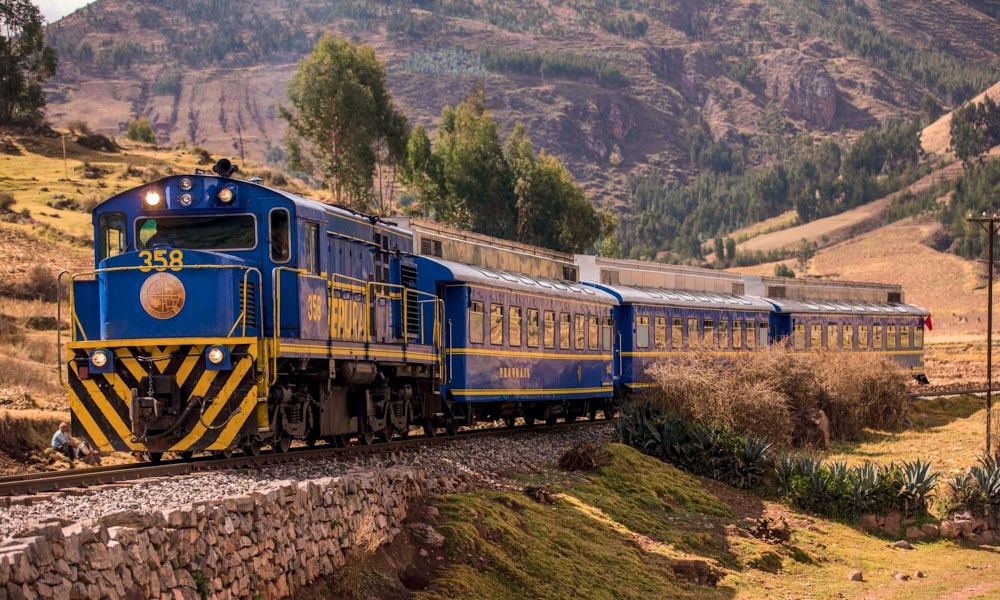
x: 230, y: 232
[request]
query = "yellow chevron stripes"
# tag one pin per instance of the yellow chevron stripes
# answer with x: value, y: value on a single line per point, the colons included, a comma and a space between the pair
x: 100, y: 404
x: 208, y: 418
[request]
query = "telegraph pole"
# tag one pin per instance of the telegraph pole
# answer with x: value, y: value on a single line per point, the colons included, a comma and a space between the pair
x: 989, y: 225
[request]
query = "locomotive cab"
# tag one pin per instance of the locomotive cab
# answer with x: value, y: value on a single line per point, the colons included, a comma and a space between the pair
x: 167, y: 329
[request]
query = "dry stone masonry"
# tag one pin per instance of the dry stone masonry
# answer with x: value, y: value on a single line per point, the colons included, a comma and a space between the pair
x: 266, y: 544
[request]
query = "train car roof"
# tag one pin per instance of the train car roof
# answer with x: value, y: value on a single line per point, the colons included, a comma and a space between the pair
x: 448, y: 271
x: 682, y: 298
x: 854, y: 307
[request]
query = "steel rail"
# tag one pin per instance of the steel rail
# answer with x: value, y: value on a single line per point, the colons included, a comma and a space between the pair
x: 29, y: 484
x: 956, y: 392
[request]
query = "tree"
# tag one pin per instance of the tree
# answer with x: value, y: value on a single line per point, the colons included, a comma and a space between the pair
x: 477, y: 184
x: 342, y: 123
x: 468, y: 179
x: 975, y: 128
x: 25, y: 62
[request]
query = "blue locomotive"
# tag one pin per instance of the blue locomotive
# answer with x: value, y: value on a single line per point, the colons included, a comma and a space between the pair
x: 222, y: 314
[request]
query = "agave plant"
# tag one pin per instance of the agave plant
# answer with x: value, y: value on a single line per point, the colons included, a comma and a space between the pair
x: 918, y: 486
x: 865, y: 482
x: 752, y: 462
x: 987, y: 476
x: 785, y: 468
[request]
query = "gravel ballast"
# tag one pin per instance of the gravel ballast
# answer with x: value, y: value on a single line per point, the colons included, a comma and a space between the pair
x: 478, y: 462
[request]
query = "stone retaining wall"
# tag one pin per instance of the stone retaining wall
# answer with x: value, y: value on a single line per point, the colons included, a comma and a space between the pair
x: 265, y: 545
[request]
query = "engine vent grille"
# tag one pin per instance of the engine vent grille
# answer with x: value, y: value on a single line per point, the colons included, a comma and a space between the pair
x: 430, y: 247
x: 251, y: 303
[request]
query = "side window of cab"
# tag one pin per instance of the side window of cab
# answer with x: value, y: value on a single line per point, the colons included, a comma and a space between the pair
x: 279, y: 235
x: 111, y: 234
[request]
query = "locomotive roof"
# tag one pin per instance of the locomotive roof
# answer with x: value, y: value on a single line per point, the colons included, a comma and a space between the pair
x: 683, y: 298
x: 786, y: 305
x: 462, y: 273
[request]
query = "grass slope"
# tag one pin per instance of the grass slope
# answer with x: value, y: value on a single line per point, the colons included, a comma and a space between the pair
x: 633, y: 528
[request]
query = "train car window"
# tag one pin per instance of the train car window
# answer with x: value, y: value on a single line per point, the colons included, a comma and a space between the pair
x: 832, y: 336
x: 312, y: 248
x: 862, y: 337
x: 708, y: 332
x: 532, y: 327
x: 890, y: 336
x: 737, y: 335
x: 608, y: 333
x: 550, y: 329
x: 592, y: 332
x: 496, y: 324
x: 918, y: 336
x: 660, y: 332
x: 904, y: 336
x: 514, y: 326
x: 877, y: 337
x: 724, y: 334
x: 642, y: 332
x: 849, y: 337
x: 232, y: 232
x: 477, y: 321
x: 676, y: 333
x: 580, y: 331
x: 111, y: 234
x: 799, y: 339
x: 279, y: 236
x: 693, y: 338
x: 752, y: 333
x: 565, y: 324
x: 816, y: 337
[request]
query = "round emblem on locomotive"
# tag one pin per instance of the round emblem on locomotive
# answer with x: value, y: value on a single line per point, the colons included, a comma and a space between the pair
x: 162, y: 295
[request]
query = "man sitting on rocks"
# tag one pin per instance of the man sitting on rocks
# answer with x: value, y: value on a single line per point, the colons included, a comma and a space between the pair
x: 62, y: 443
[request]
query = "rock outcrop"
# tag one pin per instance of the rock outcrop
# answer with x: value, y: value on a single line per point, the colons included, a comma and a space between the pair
x: 801, y: 86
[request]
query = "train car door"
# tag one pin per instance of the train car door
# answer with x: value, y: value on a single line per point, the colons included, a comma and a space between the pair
x: 314, y: 314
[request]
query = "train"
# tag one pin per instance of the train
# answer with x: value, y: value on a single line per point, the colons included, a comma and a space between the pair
x: 223, y: 315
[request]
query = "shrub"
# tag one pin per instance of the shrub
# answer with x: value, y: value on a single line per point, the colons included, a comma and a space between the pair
x: 139, y: 130
x: 6, y: 200
x: 763, y: 392
x: 96, y: 141
x: 583, y: 457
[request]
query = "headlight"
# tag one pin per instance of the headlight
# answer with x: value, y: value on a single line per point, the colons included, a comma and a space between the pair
x: 185, y: 199
x: 216, y: 356
x: 99, y: 359
x: 225, y: 195
x: 152, y: 198
x: 186, y: 183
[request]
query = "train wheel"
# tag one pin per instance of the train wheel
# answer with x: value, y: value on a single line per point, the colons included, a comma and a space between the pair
x: 592, y: 411
x: 609, y: 409
x: 570, y: 418
x: 429, y: 429
x: 509, y: 421
x: 228, y: 453
x: 551, y: 420
x: 154, y: 458
x: 187, y: 455
x: 282, y: 445
x: 251, y: 448
x: 384, y: 436
x: 451, y: 427
x: 367, y: 438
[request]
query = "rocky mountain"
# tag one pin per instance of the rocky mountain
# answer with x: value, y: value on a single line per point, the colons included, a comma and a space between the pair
x: 608, y: 86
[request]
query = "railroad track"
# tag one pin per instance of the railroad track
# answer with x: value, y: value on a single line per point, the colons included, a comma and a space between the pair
x: 78, y: 480
x: 954, y: 392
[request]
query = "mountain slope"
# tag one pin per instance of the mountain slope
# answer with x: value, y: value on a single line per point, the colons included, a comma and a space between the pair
x: 621, y: 84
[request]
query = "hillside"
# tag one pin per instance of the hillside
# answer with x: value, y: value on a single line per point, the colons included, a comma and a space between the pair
x: 608, y: 87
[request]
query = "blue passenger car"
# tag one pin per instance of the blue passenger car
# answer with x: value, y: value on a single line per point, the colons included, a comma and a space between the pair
x: 655, y: 323
x: 892, y: 329
x: 516, y: 345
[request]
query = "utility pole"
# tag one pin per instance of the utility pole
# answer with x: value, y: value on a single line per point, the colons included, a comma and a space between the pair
x: 989, y: 225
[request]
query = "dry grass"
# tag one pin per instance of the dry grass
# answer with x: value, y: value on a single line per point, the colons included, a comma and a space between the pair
x: 764, y: 392
x: 25, y: 432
